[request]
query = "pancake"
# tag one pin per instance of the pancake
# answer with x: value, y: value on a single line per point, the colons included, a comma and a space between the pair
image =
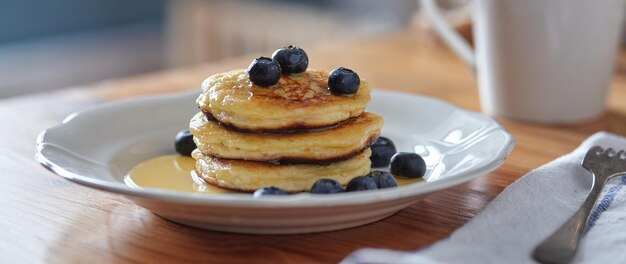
x: 248, y: 176
x: 347, y: 139
x: 300, y: 101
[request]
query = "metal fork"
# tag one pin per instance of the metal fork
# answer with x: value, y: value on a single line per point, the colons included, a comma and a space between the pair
x: 561, y: 246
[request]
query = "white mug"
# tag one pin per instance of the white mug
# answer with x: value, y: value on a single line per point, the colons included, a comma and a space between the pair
x: 547, y: 61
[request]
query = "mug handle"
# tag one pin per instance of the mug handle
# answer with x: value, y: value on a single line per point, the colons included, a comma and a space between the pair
x: 450, y: 36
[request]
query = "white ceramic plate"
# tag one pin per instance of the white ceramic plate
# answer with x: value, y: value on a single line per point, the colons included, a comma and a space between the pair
x: 97, y: 147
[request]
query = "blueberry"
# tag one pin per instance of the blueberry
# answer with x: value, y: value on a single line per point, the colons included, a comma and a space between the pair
x: 264, y: 72
x: 383, y: 179
x: 362, y: 183
x: 343, y: 81
x: 382, y: 151
x: 291, y: 59
x: 408, y: 164
x: 270, y: 190
x: 326, y: 186
x: 184, y: 143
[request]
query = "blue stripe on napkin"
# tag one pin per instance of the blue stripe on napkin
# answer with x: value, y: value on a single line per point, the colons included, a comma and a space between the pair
x: 604, y: 204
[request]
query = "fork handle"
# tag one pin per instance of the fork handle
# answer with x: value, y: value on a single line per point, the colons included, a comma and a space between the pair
x: 560, y: 247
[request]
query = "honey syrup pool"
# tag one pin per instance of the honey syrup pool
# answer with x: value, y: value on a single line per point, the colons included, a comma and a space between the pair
x: 176, y: 173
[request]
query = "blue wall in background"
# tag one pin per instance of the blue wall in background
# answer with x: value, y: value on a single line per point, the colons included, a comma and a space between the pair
x: 22, y: 20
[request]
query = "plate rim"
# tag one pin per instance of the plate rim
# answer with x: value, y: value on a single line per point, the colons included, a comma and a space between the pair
x: 298, y: 200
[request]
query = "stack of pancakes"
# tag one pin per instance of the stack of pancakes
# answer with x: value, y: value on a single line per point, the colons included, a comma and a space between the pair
x: 289, y: 135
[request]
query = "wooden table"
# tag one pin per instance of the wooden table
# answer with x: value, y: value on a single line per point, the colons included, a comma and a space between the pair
x: 44, y: 218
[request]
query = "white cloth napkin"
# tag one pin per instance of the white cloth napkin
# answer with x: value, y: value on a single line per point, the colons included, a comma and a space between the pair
x: 526, y: 212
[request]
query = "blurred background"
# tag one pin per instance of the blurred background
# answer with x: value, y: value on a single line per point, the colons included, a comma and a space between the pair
x: 47, y: 45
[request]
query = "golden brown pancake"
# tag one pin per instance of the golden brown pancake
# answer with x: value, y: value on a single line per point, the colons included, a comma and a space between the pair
x: 300, y: 101
x: 248, y: 176
x: 349, y: 138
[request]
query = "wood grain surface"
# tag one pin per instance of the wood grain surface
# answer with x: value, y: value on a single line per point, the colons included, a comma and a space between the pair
x: 44, y: 218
